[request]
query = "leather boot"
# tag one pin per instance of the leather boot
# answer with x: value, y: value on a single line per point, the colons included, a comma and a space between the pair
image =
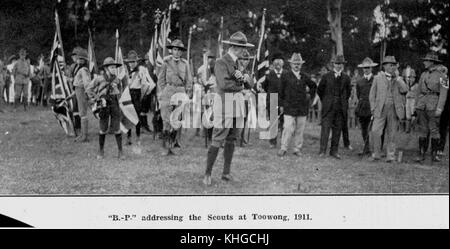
x: 144, y: 123
x: 101, y: 143
x: 434, y: 150
x: 211, y: 159
x: 119, y: 146
x: 228, y: 157
x: 422, y: 150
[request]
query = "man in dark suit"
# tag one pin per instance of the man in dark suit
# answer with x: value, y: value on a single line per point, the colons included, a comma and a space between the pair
x: 228, y: 120
x: 334, y: 91
x: 294, y: 102
x: 363, y: 112
x: 271, y: 86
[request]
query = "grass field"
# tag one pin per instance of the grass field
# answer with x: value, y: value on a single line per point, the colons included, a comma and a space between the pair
x: 37, y: 158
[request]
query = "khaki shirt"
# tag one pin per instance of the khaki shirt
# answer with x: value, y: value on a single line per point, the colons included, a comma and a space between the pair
x: 432, y: 89
x: 175, y: 73
x: 99, y: 87
x: 22, y: 72
x: 82, y: 78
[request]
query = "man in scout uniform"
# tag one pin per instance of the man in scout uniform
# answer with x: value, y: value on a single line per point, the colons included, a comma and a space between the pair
x: 387, y: 107
x: 294, y: 88
x: 430, y: 100
x: 363, y: 86
x: 105, y: 92
x: 81, y: 79
x: 140, y: 84
x: 230, y: 82
x: 174, y: 77
x: 22, y: 73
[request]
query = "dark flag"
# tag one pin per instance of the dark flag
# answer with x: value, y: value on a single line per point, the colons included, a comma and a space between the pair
x: 61, y: 98
x: 262, y: 54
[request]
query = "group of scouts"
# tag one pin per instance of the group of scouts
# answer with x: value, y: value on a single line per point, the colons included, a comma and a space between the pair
x: 383, y: 100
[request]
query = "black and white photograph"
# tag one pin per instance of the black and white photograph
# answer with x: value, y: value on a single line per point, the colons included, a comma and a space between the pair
x: 224, y: 98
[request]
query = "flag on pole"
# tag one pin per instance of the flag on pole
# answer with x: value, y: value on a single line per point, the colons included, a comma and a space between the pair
x: 121, y: 70
x: 62, y: 104
x: 220, y: 39
x: 152, y: 52
x: 91, y: 56
x: 262, y: 54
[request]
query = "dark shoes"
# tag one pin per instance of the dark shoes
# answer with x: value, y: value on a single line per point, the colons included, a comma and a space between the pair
x: 297, y: 153
x: 281, y: 153
x: 229, y: 178
x: 336, y: 156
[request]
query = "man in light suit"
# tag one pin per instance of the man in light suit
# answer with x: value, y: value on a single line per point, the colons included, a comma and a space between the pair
x: 387, y: 105
x: 230, y: 81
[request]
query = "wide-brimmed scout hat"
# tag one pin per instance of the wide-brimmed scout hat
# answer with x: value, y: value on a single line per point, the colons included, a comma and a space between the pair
x: 339, y: 59
x: 389, y: 59
x: 133, y: 56
x: 82, y: 54
x: 177, y: 43
x: 246, y: 55
x: 109, y: 61
x: 367, y: 62
x: 432, y: 56
x: 238, y: 39
x: 296, y: 58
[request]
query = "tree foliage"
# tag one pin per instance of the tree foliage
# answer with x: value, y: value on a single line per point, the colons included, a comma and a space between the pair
x: 415, y: 26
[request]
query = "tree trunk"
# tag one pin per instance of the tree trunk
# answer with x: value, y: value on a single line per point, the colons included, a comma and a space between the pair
x: 334, y: 20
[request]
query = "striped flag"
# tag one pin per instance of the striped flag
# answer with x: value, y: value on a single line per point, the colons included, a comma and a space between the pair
x: 62, y: 104
x: 262, y: 54
x: 91, y: 56
x: 152, y: 52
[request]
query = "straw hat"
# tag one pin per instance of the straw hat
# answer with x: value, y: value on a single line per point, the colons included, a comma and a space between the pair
x: 367, y: 62
x: 432, y: 56
x: 389, y: 59
x: 296, y: 58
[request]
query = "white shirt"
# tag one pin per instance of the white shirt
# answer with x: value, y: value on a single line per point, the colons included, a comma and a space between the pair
x: 278, y: 73
x: 337, y: 74
x: 368, y: 76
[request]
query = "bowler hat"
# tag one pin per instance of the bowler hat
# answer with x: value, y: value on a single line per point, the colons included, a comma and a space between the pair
x: 238, y: 39
x: 389, y: 59
x: 432, y: 56
x: 132, y: 56
x: 339, y: 59
x: 109, y: 61
x: 277, y: 56
x: 296, y: 58
x: 177, y: 43
x: 367, y: 62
